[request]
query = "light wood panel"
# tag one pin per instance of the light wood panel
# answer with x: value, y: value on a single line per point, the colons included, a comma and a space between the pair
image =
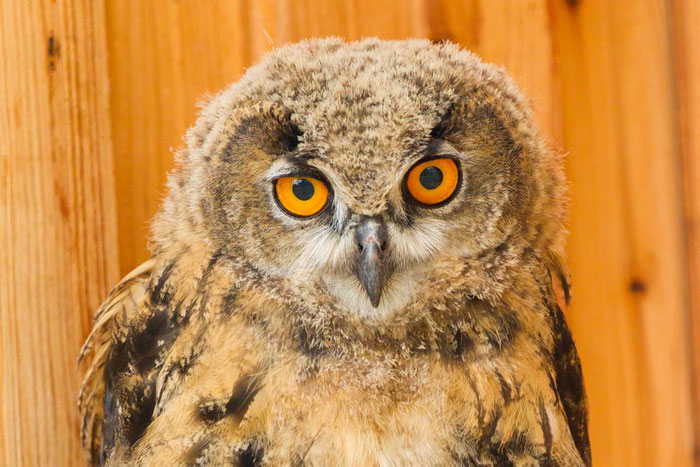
x: 57, y: 218
x: 614, y: 84
x: 626, y: 251
x: 163, y: 57
x: 686, y: 39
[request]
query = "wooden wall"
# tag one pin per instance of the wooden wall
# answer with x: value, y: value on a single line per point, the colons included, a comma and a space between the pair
x: 93, y: 96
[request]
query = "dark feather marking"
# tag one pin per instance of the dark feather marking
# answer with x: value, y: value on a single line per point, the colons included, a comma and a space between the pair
x: 159, y: 294
x: 229, y: 303
x: 546, y: 433
x: 518, y: 444
x: 501, y: 452
x: 251, y: 456
x: 196, y: 451
x: 460, y: 340
x: 290, y: 139
x: 210, y: 411
x: 485, y: 442
x: 566, y: 286
x: 243, y: 394
x: 180, y: 367
x: 138, y: 419
x: 553, y: 385
x: 158, y: 333
x: 109, y: 425
x: 443, y: 124
x: 489, y: 430
x: 569, y: 382
x: 215, y: 258
x: 116, y: 364
x: 139, y: 350
x: 545, y: 288
x: 460, y: 337
x: 299, y: 159
x: 236, y: 406
x: 479, y: 406
x: 203, y: 281
x: 308, y: 345
x: 454, y: 344
x: 289, y: 131
x: 506, y: 391
x: 117, y: 361
x: 465, y: 344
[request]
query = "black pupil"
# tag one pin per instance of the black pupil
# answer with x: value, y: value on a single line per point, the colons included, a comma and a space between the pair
x: 431, y: 178
x: 304, y: 189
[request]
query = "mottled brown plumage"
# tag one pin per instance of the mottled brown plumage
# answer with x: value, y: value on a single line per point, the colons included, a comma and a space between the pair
x: 248, y: 338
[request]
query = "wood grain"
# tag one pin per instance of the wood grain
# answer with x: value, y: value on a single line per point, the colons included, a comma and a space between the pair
x: 57, y: 218
x: 86, y: 140
x: 686, y: 37
x: 626, y: 251
x: 163, y: 58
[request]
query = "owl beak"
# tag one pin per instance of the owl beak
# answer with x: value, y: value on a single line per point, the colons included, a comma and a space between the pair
x: 371, y: 266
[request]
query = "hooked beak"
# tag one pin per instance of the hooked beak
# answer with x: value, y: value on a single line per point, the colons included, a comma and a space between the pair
x: 371, y: 266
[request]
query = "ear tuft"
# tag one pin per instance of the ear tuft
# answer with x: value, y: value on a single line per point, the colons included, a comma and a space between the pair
x: 443, y: 124
x: 262, y: 125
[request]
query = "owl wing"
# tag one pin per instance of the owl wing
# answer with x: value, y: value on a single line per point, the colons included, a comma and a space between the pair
x: 567, y: 366
x: 123, y: 303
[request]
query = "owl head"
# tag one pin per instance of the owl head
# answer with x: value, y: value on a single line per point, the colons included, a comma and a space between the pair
x: 367, y: 172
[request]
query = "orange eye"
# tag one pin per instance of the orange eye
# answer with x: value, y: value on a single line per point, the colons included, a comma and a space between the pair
x: 434, y: 181
x: 301, y: 196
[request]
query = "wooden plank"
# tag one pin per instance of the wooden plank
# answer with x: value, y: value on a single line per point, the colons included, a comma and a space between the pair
x: 626, y: 250
x: 57, y: 218
x: 163, y: 57
x: 686, y: 38
x: 510, y: 33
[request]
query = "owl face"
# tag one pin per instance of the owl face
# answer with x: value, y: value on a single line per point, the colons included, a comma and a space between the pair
x: 364, y: 171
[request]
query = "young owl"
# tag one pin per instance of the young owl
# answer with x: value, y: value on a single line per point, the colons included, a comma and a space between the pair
x: 358, y: 263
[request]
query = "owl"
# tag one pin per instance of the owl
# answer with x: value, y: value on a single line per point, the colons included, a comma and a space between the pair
x: 359, y: 262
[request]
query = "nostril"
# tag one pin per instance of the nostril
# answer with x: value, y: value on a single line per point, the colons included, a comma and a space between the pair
x: 383, y: 246
x: 360, y: 246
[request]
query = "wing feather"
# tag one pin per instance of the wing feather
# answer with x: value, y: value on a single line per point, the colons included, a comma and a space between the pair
x: 567, y: 365
x: 124, y: 301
